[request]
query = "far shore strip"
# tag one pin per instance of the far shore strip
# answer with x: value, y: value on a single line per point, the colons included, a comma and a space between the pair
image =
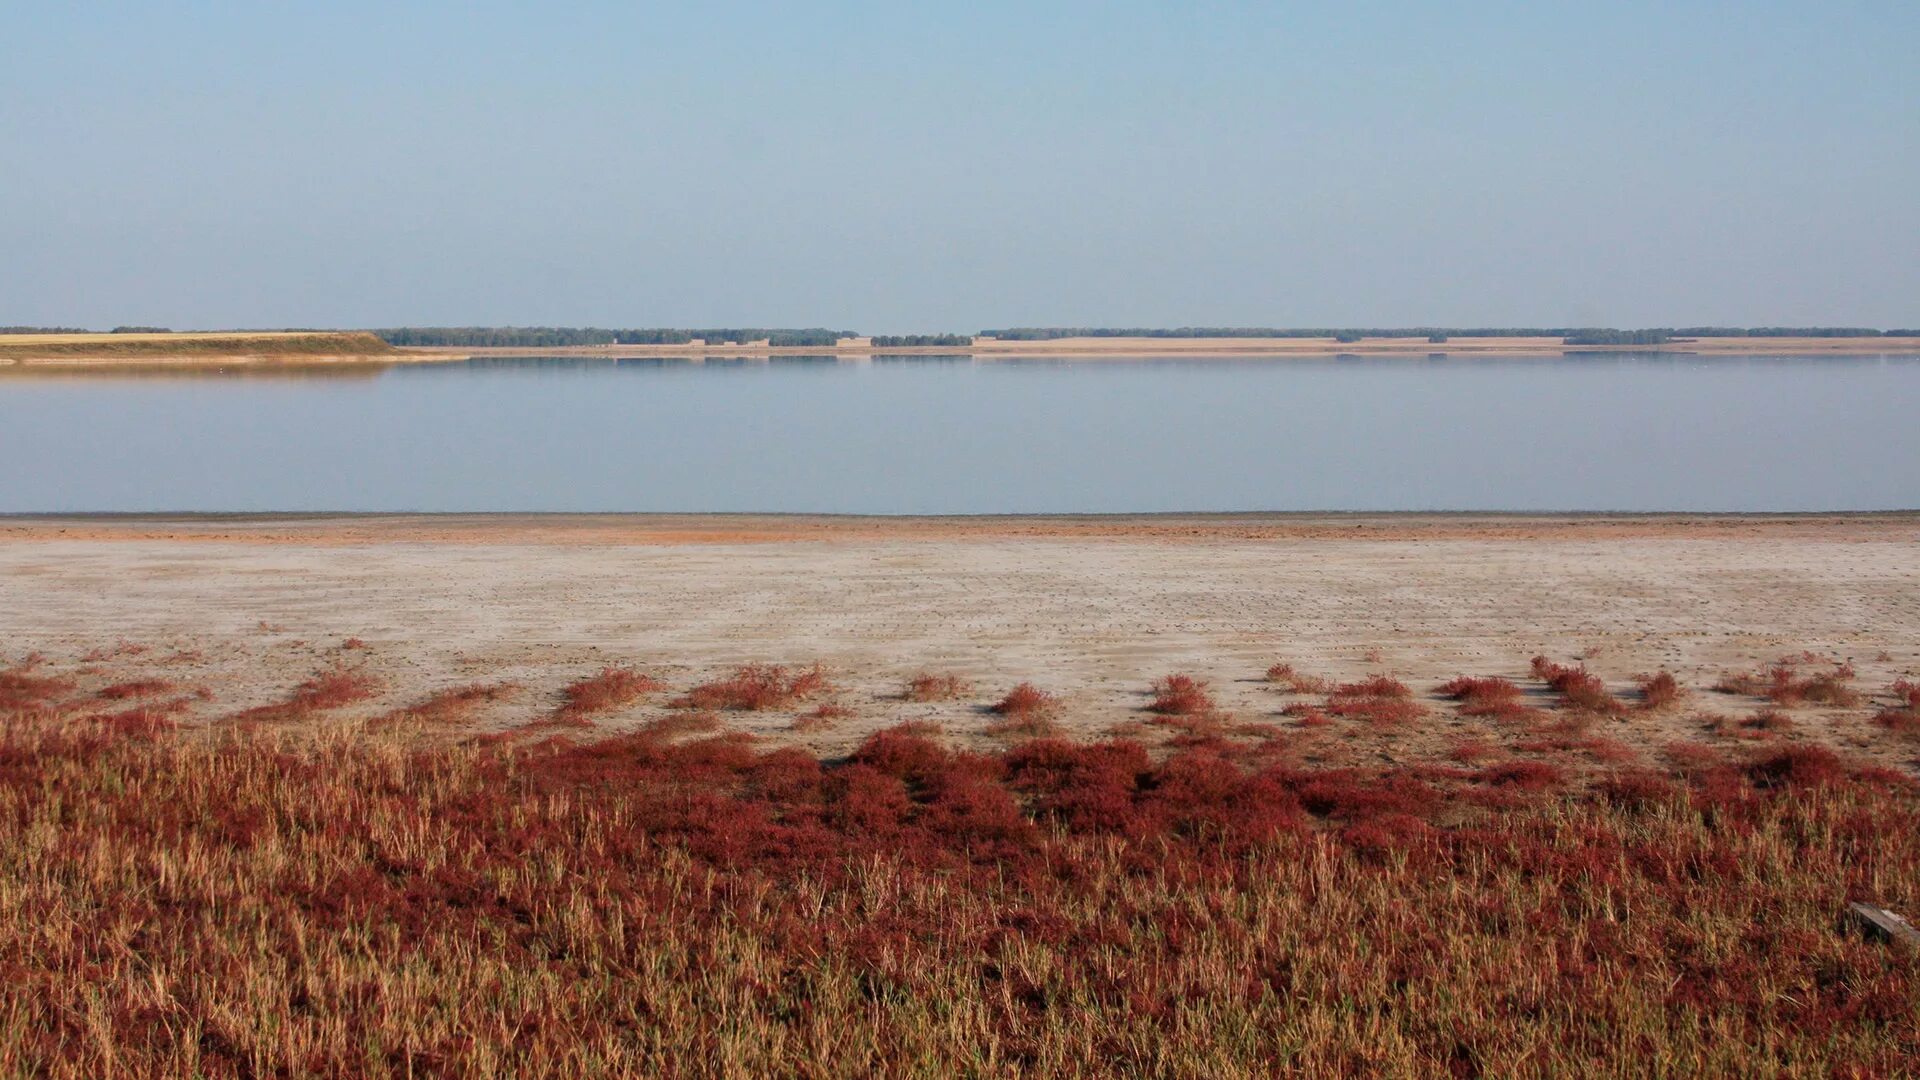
x: 99, y: 351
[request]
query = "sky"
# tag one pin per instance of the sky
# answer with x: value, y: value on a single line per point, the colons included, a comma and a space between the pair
x: 895, y: 167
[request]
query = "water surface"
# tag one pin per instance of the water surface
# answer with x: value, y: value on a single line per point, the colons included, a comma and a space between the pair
x: 908, y: 436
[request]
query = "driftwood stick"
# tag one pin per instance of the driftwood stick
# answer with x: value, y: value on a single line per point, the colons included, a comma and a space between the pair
x: 1878, y: 922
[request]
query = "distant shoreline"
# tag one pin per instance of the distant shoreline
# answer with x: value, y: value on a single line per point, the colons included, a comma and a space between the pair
x: 92, y: 352
x: 1202, y: 348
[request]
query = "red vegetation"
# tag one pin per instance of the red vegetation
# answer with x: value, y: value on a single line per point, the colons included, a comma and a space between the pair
x: 822, y: 717
x: 455, y: 705
x: 758, y: 687
x: 1658, y: 691
x: 1181, y: 695
x: 324, y: 692
x: 1783, y: 683
x: 1498, y: 699
x: 135, y: 688
x: 1904, y: 716
x: 21, y: 689
x: 1578, y: 687
x: 1378, y: 699
x: 1294, y: 681
x: 935, y: 686
x: 612, y: 688
x: 651, y: 905
x: 676, y: 725
x: 1024, y: 700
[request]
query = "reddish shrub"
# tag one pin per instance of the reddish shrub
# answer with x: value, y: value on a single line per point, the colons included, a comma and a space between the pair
x: 1797, y: 766
x: 1468, y: 751
x: 1906, y: 691
x: 678, y: 724
x: 758, y: 687
x: 1578, y: 687
x: 821, y: 718
x: 1761, y: 725
x: 1181, y: 695
x: 935, y: 686
x: 1379, y: 700
x: 20, y: 689
x: 1525, y: 775
x: 1658, y: 691
x: 1026, y: 699
x: 1028, y: 724
x: 611, y: 689
x: 1638, y: 787
x: 1294, y: 681
x: 324, y: 692
x: 1783, y: 684
x: 1309, y: 716
x: 454, y: 705
x: 137, y: 688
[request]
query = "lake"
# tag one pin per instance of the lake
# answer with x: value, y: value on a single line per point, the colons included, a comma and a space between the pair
x: 959, y: 436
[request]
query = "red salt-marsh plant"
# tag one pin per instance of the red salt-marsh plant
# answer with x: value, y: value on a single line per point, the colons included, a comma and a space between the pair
x: 1285, y: 675
x: 260, y: 905
x: 758, y: 687
x: 1025, y: 710
x: 1659, y: 690
x: 1904, y: 715
x: 1377, y: 699
x: 135, y: 688
x: 1494, y: 698
x: 930, y: 686
x: 327, y: 691
x: 454, y: 705
x: 821, y: 717
x: 1786, y: 683
x: 1181, y: 695
x: 612, y: 688
x: 1577, y: 687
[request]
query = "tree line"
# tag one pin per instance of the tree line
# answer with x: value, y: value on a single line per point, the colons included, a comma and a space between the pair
x: 1431, y: 333
x: 900, y: 341
x: 560, y: 336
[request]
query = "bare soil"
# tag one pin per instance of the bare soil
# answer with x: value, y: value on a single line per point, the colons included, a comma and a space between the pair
x: 1092, y: 609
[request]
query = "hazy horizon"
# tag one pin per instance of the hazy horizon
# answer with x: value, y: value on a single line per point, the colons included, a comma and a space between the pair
x: 866, y: 167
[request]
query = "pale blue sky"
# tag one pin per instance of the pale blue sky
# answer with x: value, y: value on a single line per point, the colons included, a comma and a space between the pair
x: 899, y: 167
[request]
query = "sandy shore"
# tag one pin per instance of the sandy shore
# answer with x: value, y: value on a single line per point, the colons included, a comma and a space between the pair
x: 1091, y: 608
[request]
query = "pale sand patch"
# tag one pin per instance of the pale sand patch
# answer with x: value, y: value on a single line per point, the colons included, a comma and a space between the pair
x: 1091, y: 608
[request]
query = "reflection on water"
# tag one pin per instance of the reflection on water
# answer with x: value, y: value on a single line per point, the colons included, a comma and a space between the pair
x: 956, y: 434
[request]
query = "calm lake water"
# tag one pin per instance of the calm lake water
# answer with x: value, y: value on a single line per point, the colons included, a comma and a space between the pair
x: 1613, y: 432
